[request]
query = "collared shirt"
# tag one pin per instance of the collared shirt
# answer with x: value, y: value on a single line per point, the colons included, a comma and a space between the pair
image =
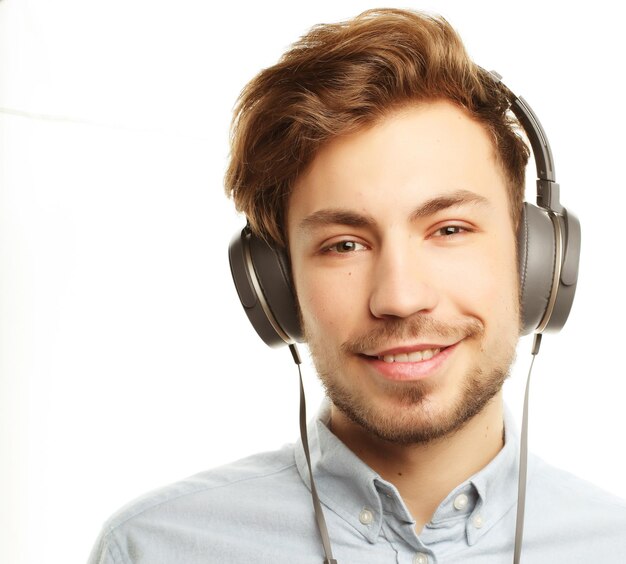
x: 259, y: 510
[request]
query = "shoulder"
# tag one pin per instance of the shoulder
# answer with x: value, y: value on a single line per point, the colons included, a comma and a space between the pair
x: 561, y: 504
x: 202, y: 509
x: 558, y: 484
x: 261, y: 471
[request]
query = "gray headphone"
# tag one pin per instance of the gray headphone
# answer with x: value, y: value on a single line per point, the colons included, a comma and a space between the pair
x: 548, y: 249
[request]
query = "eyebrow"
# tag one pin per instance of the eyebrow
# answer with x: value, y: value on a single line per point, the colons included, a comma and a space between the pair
x: 454, y: 199
x: 430, y: 207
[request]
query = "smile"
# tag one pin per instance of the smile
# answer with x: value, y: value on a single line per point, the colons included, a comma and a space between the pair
x: 410, y: 365
x: 416, y: 356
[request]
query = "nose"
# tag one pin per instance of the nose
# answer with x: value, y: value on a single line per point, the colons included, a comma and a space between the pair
x: 401, y: 284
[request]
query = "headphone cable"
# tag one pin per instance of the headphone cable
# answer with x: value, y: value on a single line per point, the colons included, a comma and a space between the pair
x: 317, y: 507
x: 523, y: 460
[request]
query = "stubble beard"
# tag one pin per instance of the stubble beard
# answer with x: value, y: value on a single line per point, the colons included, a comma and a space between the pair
x: 415, y: 418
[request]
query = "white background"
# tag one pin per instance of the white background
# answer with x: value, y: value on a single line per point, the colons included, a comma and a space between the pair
x: 126, y: 359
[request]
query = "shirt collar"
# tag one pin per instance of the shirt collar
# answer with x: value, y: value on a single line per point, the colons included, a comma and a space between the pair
x: 350, y: 488
x: 491, y: 492
x: 344, y: 483
x: 496, y: 483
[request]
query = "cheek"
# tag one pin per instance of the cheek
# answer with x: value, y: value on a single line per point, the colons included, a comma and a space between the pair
x: 485, y: 284
x: 328, y: 301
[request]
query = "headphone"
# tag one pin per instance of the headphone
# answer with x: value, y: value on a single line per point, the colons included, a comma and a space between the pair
x: 548, y: 242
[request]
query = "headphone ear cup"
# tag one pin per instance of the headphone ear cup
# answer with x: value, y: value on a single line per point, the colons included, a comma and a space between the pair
x: 262, y: 277
x: 537, y: 259
x: 569, y: 227
x: 274, y: 275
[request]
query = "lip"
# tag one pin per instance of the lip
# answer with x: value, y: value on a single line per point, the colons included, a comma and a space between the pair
x: 411, y: 348
x: 410, y: 371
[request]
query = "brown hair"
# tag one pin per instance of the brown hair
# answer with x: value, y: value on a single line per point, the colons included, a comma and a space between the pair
x: 338, y: 79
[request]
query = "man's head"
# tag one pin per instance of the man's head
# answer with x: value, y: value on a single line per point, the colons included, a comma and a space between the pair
x: 387, y: 164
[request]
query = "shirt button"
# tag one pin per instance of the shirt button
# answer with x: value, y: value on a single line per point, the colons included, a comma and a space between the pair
x: 420, y: 558
x: 478, y: 521
x: 366, y: 516
x: 460, y: 502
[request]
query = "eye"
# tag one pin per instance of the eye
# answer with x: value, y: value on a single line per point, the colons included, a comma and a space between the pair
x: 450, y: 230
x: 344, y: 247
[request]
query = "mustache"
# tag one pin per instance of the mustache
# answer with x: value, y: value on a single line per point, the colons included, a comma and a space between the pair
x: 416, y: 327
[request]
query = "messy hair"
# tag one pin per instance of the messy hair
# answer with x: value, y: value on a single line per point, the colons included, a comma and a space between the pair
x: 341, y: 78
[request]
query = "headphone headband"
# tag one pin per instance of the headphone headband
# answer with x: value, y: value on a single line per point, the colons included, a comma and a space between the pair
x: 532, y: 126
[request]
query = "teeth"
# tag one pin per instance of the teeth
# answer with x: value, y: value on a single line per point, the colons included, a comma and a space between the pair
x: 416, y: 356
x: 428, y: 354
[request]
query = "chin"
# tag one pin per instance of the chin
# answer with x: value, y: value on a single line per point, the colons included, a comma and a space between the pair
x: 416, y: 412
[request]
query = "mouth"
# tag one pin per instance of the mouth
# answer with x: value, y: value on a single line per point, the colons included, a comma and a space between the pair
x: 413, y: 356
x: 410, y: 363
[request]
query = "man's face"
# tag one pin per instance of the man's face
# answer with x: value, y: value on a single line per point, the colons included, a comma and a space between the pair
x: 403, y: 258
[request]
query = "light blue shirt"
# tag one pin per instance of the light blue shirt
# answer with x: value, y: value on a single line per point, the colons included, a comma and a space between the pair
x: 259, y: 510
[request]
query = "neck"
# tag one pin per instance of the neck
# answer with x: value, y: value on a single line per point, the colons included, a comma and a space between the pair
x: 425, y: 474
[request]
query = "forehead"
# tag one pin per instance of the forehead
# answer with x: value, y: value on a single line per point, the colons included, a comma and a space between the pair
x: 411, y: 155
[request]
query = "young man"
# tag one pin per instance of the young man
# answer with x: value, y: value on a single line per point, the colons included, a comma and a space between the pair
x: 385, y: 166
